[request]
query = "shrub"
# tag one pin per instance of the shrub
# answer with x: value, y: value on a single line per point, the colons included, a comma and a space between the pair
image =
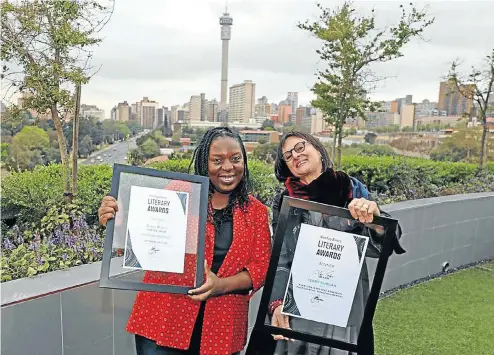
x: 30, y: 194
x: 63, y: 241
x: 49, y: 235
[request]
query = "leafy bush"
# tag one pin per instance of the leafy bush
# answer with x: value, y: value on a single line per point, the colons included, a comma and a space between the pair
x: 397, y: 178
x: 30, y: 194
x: 64, y: 240
x: 49, y: 235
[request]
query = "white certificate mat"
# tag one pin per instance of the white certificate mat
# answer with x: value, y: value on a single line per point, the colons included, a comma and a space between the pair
x: 324, y: 275
x: 156, y: 230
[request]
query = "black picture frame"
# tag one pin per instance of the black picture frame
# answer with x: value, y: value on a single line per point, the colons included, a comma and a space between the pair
x: 115, y: 282
x: 261, y: 329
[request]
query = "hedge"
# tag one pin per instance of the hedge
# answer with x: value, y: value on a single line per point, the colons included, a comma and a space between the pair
x: 50, y: 235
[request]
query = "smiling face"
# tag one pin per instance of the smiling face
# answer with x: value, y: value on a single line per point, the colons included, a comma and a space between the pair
x: 304, y: 163
x: 226, y: 164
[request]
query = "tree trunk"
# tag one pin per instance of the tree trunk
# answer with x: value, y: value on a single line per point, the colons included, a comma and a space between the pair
x: 75, y: 139
x: 483, y: 145
x: 61, y: 139
x: 335, y: 138
x: 340, y: 138
x: 63, y: 152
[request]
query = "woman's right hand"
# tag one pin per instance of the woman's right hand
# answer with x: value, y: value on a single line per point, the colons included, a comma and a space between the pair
x: 107, y: 210
x: 280, y: 321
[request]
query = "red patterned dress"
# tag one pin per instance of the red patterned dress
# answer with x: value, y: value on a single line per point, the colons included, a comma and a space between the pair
x: 169, y: 319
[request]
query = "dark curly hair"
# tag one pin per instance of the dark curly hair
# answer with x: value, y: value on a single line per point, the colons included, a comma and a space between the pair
x: 281, y: 169
x: 200, y: 159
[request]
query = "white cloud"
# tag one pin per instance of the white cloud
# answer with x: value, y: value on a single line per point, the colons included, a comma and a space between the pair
x: 169, y: 49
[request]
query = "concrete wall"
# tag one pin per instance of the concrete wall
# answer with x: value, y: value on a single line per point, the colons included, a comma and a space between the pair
x: 65, y: 312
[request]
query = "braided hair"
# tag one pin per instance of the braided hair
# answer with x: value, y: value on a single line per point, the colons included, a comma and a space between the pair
x: 200, y: 159
x: 281, y: 169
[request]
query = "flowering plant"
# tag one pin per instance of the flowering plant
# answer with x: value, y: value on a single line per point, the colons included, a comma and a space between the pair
x: 64, y: 240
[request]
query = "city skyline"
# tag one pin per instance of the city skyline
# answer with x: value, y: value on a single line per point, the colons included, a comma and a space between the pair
x: 173, y: 53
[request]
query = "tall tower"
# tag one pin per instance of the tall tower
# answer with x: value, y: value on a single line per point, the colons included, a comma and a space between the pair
x: 226, y: 22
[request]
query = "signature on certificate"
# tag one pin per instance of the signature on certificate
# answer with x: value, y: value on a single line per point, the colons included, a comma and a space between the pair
x: 324, y: 274
x: 153, y: 250
x: 316, y: 299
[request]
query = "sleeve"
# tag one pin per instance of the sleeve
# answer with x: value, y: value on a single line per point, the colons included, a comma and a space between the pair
x: 375, y: 245
x: 260, y: 255
x: 284, y: 262
x: 275, y: 207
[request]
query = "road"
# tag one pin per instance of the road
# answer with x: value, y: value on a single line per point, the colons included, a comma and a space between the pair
x: 115, y: 153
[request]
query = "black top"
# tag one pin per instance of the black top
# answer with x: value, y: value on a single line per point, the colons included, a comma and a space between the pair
x: 223, y: 225
x: 223, y: 238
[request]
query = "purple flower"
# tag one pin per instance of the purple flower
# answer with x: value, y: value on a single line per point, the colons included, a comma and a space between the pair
x: 69, y: 240
x: 19, y: 240
x: 65, y: 256
x: 7, y: 244
x: 57, y: 236
x: 65, y: 228
x: 33, y: 245
x: 38, y: 260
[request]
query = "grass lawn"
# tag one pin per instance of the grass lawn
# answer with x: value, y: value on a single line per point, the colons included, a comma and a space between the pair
x: 447, y: 316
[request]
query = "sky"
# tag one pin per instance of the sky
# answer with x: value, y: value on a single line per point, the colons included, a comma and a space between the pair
x: 169, y: 50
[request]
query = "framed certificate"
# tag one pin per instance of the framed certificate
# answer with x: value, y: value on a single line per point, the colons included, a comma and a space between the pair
x: 156, y: 240
x: 319, y: 278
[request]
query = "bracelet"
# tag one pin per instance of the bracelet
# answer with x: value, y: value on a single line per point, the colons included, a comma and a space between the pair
x: 273, y: 305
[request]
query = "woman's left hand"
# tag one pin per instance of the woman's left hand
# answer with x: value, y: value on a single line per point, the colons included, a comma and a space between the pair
x: 364, y: 210
x: 211, y: 288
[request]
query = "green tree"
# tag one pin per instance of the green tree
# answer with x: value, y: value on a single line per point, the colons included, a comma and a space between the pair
x: 52, y: 155
x: 266, y: 152
x: 86, y: 146
x: 370, y: 138
x: 266, y: 124
x: 13, y: 120
x: 478, y: 86
x: 28, y: 148
x: 167, y: 130
x: 134, y: 126
x: 5, y: 149
x: 150, y: 148
x: 49, y: 41
x: 464, y: 145
x: 351, y: 44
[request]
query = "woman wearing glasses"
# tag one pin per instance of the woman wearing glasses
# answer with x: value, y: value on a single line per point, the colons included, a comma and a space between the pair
x: 303, y: 165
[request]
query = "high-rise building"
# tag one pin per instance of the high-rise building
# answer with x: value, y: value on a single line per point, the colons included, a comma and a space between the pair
x: 262, y: 101
x: 161, y: 116
x: 212, y: 110
x: 114, y: 113
x: 242, y: 102
x: 292, y: 100
x: 407, y: 116
x: 452, y: 101
x: 195, y: 108
x: 147, y: 113
x: 284, y: 112
x: 124, y: 111
x: 274, y: 109
x: 263, y: 110
x: 394, y: 107
x: 226, y: 21
x: 301, y: 113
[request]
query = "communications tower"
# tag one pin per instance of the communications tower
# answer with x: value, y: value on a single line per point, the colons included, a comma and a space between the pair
x: 226, y: 21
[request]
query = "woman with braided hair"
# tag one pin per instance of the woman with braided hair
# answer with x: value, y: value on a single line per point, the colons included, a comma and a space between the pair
x: 211, y: 319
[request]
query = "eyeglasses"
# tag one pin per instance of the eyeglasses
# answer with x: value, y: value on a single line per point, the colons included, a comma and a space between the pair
x: 298, y: 148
